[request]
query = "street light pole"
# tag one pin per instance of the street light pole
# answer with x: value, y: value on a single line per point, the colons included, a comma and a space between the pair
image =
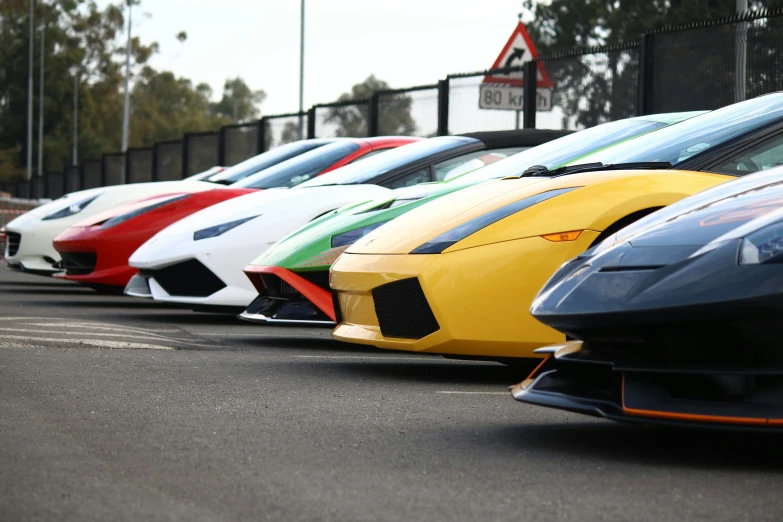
x: 41, y: 103
x: 75, y: 160
x: 741, y: 54
x: 126, y: 102
x: 29, y: 173
x: 301, y: 68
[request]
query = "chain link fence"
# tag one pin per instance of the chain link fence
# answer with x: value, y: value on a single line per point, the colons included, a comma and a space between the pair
x: 201, y: 151
x: 239, y: 142
x: 140, y: 165
x: 339, y: 119
x: 167, y: 161
x: 283, y: 128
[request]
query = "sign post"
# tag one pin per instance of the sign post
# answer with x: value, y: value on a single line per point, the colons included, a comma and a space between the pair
x: 505, y: 91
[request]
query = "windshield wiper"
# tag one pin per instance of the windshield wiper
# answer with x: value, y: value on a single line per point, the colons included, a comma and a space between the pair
x: 592, y: 167
x: 541, y: 170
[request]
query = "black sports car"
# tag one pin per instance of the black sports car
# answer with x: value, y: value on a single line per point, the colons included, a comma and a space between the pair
x: 674, y: 319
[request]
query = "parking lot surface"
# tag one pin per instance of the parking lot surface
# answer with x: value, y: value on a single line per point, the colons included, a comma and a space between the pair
x: 114, y: 408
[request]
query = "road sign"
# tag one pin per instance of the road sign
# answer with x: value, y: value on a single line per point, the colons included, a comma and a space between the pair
x: 509, y: 98
x: 504, y: 91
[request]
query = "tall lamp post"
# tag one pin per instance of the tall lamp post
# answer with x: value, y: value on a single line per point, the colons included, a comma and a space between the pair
x: 29, y: 173
x: 42, y: 29
x: 75, y: 140
x: 301, y: 68
x: 126, y: 99
x: 741, y: 54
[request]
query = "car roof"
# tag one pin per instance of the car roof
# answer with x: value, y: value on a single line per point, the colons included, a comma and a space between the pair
x: 516, y: 138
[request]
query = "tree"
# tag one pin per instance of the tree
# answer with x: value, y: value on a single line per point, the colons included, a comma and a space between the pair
x: 239, y: 103
x: 602, y: 87
x: 351, y: 120
x: 166, y: 107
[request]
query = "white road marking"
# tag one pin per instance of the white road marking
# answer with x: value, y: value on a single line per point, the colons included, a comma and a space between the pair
x: 90, y: 342
x: 473, y: 393
x: 100, y: 334
x: 99, y: 327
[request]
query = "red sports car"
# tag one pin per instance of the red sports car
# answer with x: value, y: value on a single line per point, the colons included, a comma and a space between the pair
x: 95, y: 252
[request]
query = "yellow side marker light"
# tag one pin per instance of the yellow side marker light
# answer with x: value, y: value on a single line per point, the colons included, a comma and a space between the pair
x: 563, y: 236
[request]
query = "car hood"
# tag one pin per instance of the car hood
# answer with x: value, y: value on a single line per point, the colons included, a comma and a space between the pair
x: 109, y: 197
x: 406, y: 233
x: 306, y: 243
x: 272, y: 201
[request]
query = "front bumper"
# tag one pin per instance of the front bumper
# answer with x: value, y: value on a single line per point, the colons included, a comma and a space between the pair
x: 217, y: 281
x: 575, y: 377
x: 94, y: 257
x: 287, y: 297
x: 471, y: 302
x: 31, y: 249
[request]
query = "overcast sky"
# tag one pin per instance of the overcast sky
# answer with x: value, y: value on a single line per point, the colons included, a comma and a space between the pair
x: 405, y: 42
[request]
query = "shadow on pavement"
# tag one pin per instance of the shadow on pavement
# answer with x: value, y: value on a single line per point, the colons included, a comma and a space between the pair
x: 640, y: 444
x: 449, y: 372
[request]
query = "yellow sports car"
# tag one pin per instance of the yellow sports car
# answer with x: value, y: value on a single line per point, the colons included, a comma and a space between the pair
x: 457, y: 276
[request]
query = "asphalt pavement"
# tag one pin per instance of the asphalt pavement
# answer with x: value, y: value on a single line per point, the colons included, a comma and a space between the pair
x: 113, y: 408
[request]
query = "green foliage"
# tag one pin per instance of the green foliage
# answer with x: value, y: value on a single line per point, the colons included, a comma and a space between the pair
x: 239, y: 103
x: 597, y: 88
x: 89, y: 42
x: 395, y: 113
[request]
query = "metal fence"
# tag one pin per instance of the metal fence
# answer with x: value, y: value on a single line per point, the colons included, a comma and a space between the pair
x: 697, y: 66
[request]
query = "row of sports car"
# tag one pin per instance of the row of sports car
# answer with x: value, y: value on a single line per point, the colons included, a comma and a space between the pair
x: 633, y: 266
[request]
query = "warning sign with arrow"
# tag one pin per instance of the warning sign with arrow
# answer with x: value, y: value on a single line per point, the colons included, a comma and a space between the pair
x: 504, y: 91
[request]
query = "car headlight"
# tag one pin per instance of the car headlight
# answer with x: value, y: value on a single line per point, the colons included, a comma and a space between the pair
x: 458, y: 233
x: 73, y: 208
x: 218, y: 230
x: 352, y: 236
x: 763, y: 246
x: 122, y: 218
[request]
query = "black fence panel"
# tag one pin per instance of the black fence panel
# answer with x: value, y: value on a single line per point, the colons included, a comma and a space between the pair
x: 114, y: 169
x: 55, y: 184
x: 167, y: 161
x: 710, y: 67
x: 139, y: 165
x: 409, y: 112
x: 23, y: 190
x: 342, y: 119
x: 38, y: 187
x: 464, y: 111
x: 589, y: 88
x: 201, y: 152
x: 92, y: 174
x: 72, y: 181
x: 239, y: 142
x: 283, y: 128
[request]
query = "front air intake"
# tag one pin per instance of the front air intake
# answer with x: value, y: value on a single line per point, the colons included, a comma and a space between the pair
x: 403, y: 311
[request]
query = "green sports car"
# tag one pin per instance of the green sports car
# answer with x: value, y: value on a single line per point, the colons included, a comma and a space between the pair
x: 292, y: 277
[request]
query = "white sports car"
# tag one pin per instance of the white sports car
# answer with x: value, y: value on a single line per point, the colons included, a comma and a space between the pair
x: 29, y: 237
x: 199, y: 260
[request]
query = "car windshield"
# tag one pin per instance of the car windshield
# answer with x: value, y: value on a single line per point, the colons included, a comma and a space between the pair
x: 367, y: 170
x: 301, y: 168
x: 679, y: 142
x: 571, y: 147
x: 264, y: 161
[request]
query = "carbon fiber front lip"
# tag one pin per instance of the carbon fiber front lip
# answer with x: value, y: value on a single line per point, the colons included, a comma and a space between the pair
x: 262, y: 319
x: 525, y: 392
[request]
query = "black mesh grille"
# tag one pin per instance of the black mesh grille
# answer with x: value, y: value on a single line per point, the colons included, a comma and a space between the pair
x: 189, y: 278
x: 403, y: 311
x: 14, y: 239
x: 79, y: 263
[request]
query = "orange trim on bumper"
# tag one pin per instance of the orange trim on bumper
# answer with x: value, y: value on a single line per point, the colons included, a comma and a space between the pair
x: 695, y: 417
x: 317, y: 295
